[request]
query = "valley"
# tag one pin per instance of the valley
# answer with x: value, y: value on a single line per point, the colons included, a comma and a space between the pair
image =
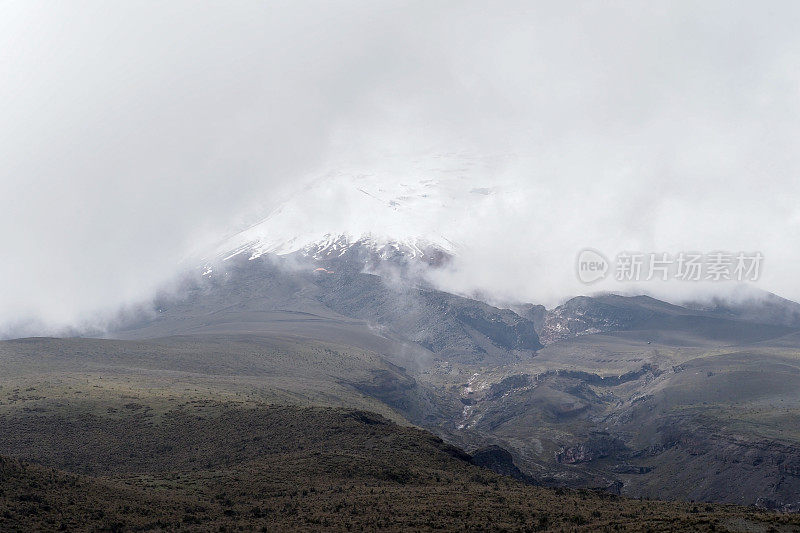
x: 115, y: 438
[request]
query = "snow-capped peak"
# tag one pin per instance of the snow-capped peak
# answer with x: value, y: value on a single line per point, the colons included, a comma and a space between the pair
x: 414, y: 212
x: 331, y: 246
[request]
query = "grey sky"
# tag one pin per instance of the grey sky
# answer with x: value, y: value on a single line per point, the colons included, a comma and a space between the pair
x: 133, y: 134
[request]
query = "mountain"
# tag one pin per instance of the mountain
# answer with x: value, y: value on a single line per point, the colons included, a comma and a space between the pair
x: 761, y: 315
x: 628, y: 395
x: 334, y: 299
x: 753, y: 306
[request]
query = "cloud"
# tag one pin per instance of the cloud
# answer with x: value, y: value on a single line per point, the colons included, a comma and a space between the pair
x: 133, y: 135
x: 136, y: 135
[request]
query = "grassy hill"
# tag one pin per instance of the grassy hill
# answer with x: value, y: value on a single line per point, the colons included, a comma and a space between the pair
x: 43, y: 375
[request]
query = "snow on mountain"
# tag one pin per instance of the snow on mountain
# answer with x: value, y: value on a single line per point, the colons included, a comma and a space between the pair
x: 410, y: 207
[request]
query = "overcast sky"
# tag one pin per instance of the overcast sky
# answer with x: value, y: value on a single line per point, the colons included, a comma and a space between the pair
x: 135, y: 134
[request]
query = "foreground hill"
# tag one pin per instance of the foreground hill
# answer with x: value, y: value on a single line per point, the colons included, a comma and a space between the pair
x: 225, y: 466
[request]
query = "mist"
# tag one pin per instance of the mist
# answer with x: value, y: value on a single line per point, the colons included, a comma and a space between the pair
x: 135, y: 137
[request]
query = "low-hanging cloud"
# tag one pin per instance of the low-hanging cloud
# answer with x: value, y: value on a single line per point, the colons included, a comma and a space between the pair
x: 136, y: 135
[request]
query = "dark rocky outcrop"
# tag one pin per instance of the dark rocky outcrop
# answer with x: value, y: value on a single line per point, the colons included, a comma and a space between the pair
x: 508, y: 384
x: 598, y: 446
x: 498, y: 460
